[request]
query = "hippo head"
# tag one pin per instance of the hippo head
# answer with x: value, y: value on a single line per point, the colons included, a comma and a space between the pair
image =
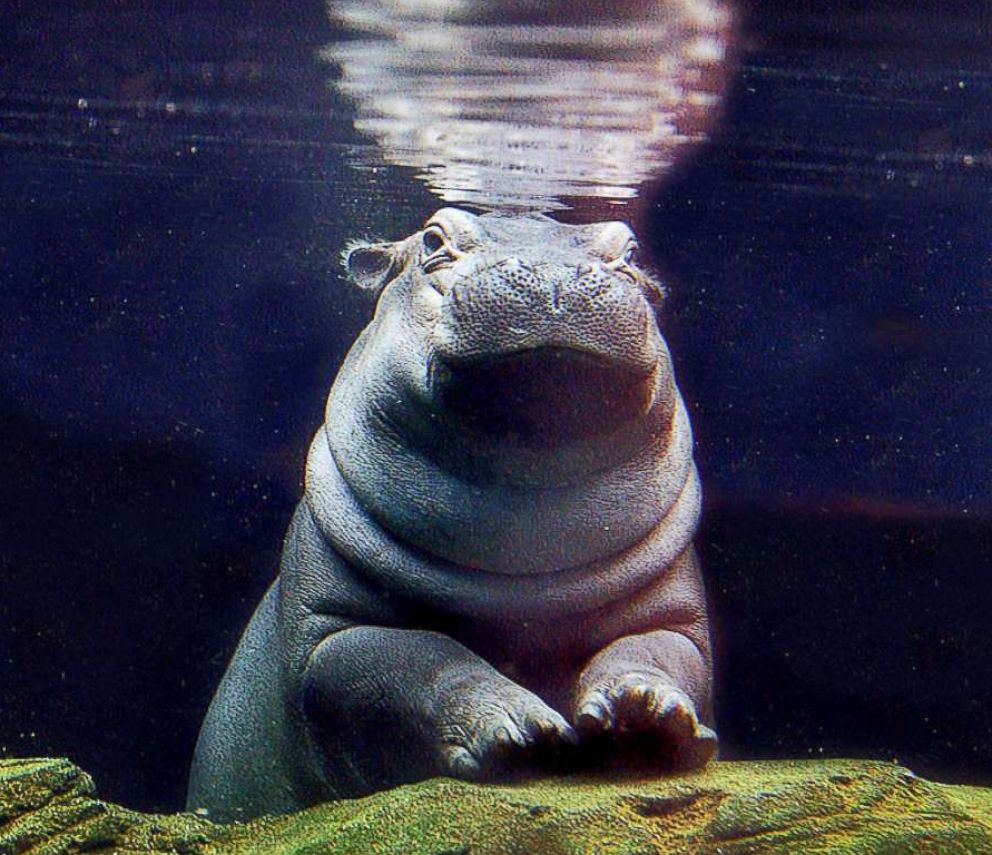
x: 510, y: 354
x: 524, y: 334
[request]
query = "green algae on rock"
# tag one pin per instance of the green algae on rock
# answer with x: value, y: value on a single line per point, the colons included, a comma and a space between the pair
x: 49, y: 807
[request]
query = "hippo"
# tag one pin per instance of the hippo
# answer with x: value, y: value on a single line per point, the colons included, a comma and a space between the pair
x: 491, y: 570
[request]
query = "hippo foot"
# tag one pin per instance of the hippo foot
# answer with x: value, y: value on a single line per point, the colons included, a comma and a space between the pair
x: 499, y: 731
x: 639, y: 718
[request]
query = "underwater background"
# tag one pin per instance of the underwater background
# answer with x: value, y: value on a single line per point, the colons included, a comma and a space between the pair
x: 175, y: 189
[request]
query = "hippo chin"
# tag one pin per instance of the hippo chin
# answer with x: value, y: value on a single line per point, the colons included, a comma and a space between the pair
x: 491, y: 570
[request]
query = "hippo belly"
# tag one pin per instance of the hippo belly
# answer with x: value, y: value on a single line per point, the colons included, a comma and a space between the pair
x: 491, y: 570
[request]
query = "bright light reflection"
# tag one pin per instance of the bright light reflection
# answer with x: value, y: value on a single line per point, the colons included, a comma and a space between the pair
x: 509, y: 103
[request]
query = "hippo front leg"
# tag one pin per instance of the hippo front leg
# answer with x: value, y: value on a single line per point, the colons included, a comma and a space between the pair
x: 386, y: 706
x: 646, y: 696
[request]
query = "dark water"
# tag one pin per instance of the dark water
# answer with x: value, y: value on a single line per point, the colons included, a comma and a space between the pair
x: 173, y: 197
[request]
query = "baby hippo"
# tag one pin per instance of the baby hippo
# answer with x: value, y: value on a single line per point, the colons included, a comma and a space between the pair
x: 491, y: 569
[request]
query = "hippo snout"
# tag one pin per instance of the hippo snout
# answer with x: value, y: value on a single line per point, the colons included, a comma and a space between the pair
x: 546, y: 352
x: 514, y: 305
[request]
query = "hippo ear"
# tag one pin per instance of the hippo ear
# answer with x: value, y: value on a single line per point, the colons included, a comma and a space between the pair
x: 369, y: 265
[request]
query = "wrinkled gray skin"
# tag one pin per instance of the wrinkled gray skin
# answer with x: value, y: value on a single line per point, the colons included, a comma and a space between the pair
x: 491, y: 569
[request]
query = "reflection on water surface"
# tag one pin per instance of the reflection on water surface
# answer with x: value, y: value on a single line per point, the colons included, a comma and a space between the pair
x: 512, y: 104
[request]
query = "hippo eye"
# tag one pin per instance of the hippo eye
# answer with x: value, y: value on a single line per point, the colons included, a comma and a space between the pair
x: 626, y: 262
x: 433, y: 241
x: 436, y: 250
x: 630, y: 254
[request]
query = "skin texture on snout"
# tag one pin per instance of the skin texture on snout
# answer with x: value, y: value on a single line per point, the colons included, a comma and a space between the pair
x: 491, y: 570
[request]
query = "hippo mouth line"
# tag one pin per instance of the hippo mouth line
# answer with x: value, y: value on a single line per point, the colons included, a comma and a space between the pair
x: 542, y: 397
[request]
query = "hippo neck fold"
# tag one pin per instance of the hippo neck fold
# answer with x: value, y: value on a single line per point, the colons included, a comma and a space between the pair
x: 511, y: 530
x: 381, y: 444
x: 449, y: 587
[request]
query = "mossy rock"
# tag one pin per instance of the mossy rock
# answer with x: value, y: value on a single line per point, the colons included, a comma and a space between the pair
x: 48, y: 807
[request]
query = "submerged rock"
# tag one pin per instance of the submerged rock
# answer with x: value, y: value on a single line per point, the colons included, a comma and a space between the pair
x: 833, y: 806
